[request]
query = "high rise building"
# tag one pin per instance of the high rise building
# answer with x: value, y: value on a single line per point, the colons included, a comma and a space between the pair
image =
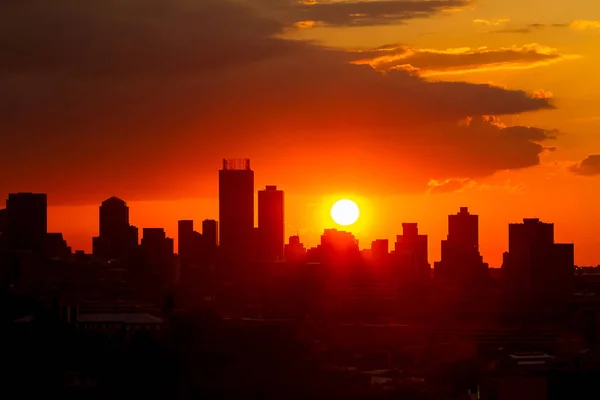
x: 536, y: 268
x: 26, y: 222
x: 210, y: 231
x: 411, y: 255
x: 117, y: 238
x: 185, y: 242
x: 461, y: 263
x: 294, y: 250
x: 236, y: 209
x: 380, y: 250
x: 271, y: 223
x: 158, y: 251
x: 56, y: 246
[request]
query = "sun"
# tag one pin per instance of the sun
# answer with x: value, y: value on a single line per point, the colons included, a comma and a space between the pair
x: 345, y: 212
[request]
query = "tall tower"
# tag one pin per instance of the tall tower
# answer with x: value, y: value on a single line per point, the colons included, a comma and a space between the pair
x: 185, y: 241
x: 117, y: 237
x: 271, y: 223
x: 236, y: 209
x: 411, y: 253
x: 536, y: 268
x: 463, y: 229
x: 26, y: 224
x: 461, y: 262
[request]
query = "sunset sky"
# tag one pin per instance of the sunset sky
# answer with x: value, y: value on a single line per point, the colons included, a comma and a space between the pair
x: 410, y: 108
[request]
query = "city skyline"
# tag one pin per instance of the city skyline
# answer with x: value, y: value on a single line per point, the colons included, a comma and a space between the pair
x: 236, y: 184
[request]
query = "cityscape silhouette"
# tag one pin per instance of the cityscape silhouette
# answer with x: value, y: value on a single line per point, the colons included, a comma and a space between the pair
x: 414, y: 215
x: 152, y: 310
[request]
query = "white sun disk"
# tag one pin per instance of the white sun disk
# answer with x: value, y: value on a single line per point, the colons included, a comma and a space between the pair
x: 345, y: 212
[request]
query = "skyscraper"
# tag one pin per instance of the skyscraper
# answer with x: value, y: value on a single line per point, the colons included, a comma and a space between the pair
x: 536, y: 268
x: 271, y: 223
x: 461, y: 263
x: 210, y: 231
x: 236, y: 209
x: 185, y: 241
x: 117, y: 237
x: 26, y: 222
x: 411, y: 253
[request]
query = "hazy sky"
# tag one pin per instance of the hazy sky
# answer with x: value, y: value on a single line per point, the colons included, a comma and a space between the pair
x: 411, y: 108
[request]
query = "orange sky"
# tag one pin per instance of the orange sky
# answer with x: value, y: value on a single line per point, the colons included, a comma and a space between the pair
x: 410, y: 108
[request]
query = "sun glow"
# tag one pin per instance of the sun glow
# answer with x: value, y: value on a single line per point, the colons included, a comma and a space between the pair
x: 345, y: 212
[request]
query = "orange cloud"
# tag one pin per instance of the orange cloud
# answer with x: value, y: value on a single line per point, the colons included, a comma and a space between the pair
x: 585, y: 25
x: 430, y: 62
x: 488, y: 22
x: 590, y: 166
x: 305, y: 24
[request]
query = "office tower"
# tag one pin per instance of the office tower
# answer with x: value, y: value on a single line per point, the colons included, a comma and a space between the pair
x: 185, y: 242
x: 463, y: 229
x: 536, y: 268
x: 117, y: 238
x: 26, y: 222
x: 411, y: 254
x: 338, y: 247
x: 158, y: 251
x: 461, y: 262
x: 236, y: 210
x: 271, y: 223
x: 210, y: 231
x: 56, y: 246
x: 380, y: 250
x: 294, y: 250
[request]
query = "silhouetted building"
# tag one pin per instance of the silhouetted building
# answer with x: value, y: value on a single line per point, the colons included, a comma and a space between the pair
x: 117, y: 237
x: 26, y: 222
x: 159, y: 254
x: 380, y: 250
x: 210, y: 234
x: 56, y: 246
x: 461, y: 263
x: 294, y: 250
x: 338, y: 247
x: 210, y: 231
x: 410, y: 254
x: 535, y: 267
x: 271, y: 223
x: 236, y: 209
x: 185, y: 242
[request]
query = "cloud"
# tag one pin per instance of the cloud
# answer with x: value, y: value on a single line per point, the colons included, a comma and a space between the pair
x: 590, y: 166
x: 449, y: 185
x: 585, y: 25
x: 142, y: 99
x: 531, y: 28
x: 368, y: 13
x: 488, y: 22
x: 427, y: 62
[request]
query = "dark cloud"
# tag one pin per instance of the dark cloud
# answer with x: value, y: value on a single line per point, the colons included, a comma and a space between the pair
x: 431, y: 62
x: 360, y: 13
x: 590, y: 166
x: 142, y: 99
